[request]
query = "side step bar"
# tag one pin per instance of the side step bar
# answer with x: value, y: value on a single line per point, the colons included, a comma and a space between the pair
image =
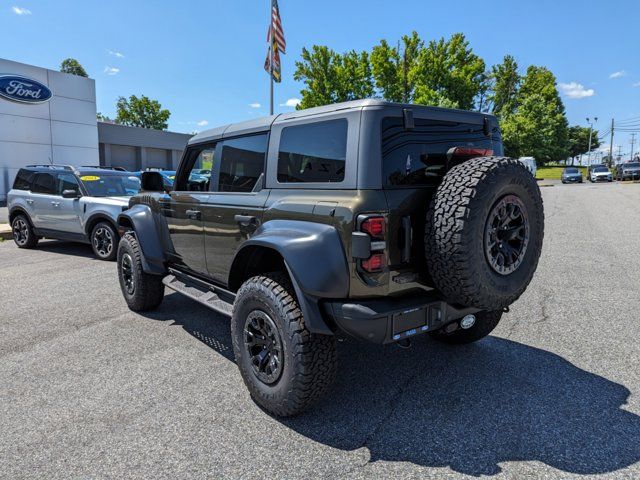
x: 215, y: 298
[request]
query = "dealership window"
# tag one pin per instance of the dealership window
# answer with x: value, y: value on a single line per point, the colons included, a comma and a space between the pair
x: 23, y: 180
x: 242, y: 163
x: 44, y: 183
x: 313, y: 152
x: 67, y: 181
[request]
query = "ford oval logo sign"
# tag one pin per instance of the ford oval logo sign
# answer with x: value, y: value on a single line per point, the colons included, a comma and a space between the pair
x: 23, y: 89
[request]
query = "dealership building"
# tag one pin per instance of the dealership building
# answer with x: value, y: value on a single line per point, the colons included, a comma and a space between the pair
x: 50, y: 117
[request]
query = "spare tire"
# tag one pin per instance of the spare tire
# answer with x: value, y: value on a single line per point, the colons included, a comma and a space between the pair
x: 484, y: 232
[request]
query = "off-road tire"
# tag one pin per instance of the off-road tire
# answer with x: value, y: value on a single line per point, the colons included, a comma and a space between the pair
x: 26, y: 230
x: 148, y: 290
x: 485, y: 323
x: 309, y: 360
x: 455, y: 232
x: 106, y: 231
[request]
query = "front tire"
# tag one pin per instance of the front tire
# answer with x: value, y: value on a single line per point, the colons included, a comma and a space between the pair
x: 23, y: 234
x: 285, y: 367
x: 485, y: 323
x: 141, y: 291
x: 104, y: 241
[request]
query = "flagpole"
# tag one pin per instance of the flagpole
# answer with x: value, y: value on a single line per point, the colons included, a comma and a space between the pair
x: 271, y: 57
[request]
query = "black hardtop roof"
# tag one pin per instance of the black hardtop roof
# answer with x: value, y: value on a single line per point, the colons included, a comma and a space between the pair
x: 73, y: 169
x: 264, y: 123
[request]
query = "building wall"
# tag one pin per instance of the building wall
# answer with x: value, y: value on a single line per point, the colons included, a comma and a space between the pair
x: 62, y: 130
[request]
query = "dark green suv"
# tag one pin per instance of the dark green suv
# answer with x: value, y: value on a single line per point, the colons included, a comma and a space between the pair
x: 379, y: 220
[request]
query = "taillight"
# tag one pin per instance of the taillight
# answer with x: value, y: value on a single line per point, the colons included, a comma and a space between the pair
x: 469, y: 152
x: 374, y: 226
x: 375, y: 263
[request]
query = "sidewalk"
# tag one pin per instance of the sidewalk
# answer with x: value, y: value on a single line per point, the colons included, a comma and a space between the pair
x: 5, y: 229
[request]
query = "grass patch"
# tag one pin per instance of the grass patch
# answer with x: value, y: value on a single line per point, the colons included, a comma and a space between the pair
x: 554, y: 173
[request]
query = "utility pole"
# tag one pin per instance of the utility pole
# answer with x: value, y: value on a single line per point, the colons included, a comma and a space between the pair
x: 590, y: 133
x: 619, y: 152
x: 633, y: 141
x: 611, y: 145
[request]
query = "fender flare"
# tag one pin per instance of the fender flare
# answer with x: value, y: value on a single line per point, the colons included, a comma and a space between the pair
x: 142, y: 220
x: 315, y: 260
x: 16, y: 210
x: 98, y: 217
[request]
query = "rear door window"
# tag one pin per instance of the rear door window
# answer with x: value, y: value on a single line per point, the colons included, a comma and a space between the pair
x: 313, y: 152
x: 23, y: 180
x: 421, y: 156
x: 44, y: 183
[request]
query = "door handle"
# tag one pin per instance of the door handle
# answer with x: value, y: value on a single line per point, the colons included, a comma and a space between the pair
x: 29, y: 201
x: 245, y: 220
x: 55, y: 204
x: 194, y: 214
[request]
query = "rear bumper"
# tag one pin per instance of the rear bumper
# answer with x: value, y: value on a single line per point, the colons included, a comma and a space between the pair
x: 387, y: 320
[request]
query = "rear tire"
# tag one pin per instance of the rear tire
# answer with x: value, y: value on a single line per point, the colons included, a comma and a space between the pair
x: 141, y: 291
x: 285, y: 367
x: 484, y: 233
x: 104, y: 241
x: 23, y: 234
x: 485, y: 323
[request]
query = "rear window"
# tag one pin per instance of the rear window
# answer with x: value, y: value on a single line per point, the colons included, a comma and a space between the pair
x: 23, y: 180
x: 314, y: 152
x: 422, y: 156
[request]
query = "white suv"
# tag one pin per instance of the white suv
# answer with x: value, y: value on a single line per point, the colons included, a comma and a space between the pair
x: 68, y: 203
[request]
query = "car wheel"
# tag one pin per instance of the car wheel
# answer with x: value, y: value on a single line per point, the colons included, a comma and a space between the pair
x: 141, y: 291
x: 104, y: 241
x: 285, y: 367
x: 484, y: 324
x: 484, y: 233
x: 23, y: 234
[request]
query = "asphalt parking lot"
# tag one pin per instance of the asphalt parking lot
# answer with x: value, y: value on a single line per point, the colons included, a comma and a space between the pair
x: 92, y: 390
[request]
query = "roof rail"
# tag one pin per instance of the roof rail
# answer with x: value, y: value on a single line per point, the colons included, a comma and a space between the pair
x: 59, y: 167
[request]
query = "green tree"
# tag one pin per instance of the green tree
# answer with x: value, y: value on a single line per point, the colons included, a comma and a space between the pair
x: 505, y: 85
x: 72, y: 66
x: 394, y: 67
x: 539, y: 126
x: 103, y: 118
x: 330, y: 77
x: 448, y: 69
x: 579, y: 140
x: 142, y: 112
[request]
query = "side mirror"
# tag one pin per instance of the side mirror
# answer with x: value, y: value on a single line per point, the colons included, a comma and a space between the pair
x: 70, y: 194
x: 152, y: 182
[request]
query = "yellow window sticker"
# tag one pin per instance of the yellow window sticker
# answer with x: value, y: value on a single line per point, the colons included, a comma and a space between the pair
x: 89, y: 178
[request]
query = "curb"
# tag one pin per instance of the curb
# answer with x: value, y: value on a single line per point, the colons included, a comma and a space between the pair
x: 5, y: 231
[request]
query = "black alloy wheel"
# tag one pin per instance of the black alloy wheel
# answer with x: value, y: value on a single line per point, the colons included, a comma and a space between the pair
x: 263, y: 346
x: 506, y: 235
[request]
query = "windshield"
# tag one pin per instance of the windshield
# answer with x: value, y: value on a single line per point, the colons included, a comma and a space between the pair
x: 632, y: 165
x: 600, y: 169
x: 110, y: 185
x: 571, y: 170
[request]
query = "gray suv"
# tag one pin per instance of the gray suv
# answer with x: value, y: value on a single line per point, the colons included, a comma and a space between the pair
x: 67, y: 203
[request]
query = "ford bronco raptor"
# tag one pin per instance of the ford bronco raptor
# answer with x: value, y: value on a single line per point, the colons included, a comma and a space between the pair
x: 379, y: 220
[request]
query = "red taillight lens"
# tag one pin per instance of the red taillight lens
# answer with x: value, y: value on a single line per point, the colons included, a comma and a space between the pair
x: 374, y: 226
x: 375, y: 263
x: 469, y: 152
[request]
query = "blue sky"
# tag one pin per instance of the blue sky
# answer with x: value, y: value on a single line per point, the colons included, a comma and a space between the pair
x: 203, y: 59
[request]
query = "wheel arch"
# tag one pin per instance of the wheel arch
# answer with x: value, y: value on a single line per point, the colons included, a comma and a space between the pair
x: 96, y: 218
x: 15, y: 211
x: 141, y: 221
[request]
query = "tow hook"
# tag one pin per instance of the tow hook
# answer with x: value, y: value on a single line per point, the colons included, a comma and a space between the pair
x: 404, y: 343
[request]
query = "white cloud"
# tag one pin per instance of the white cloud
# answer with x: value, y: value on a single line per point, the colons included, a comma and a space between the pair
x: 576, y: 90
x: 111, y: 70
x: 637, y: 84
x: 255, y: 105
x: 203, y: 123
x: 619, y: 74
x: 292, y: 102
x: 21, y: 11
x: 116, y: 54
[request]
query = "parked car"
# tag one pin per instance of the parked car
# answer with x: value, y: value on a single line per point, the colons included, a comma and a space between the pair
x: 68, y: 203
x: 571, y: 175
x: 628, y: 171
x: 530, y: 163
x: 590, y: 169
x: 379, y: 220
x: 600, y: 174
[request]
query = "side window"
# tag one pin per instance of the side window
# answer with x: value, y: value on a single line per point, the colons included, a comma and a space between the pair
x: 197, y: 176
x: 67, y: 181
x: 242, y: 163
x: 23, y: 180
x: 44, y: 183
x: 315, y: 152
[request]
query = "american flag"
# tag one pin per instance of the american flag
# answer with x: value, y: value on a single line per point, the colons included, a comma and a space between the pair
x: 275, y: 28
x: 275, y: 38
